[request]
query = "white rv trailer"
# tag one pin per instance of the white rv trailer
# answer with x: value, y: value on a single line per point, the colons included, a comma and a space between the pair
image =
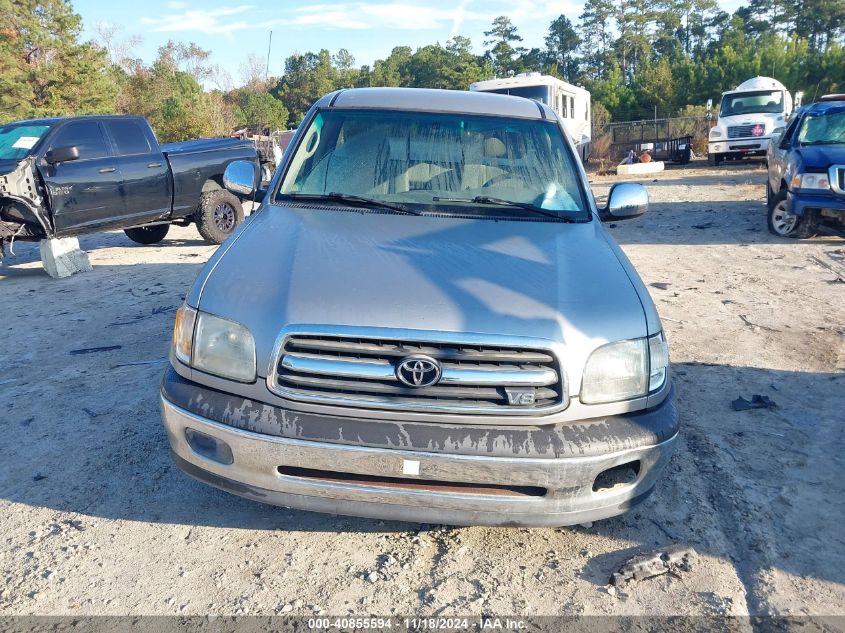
x: 571, y: 103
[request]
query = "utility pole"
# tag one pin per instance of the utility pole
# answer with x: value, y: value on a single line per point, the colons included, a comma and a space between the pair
x: 267, y: 69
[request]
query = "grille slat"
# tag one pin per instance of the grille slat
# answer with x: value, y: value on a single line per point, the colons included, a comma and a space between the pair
x: 376, y: 387
x: 399, y: 349
x: 475, y: 378
x: 743, y: 131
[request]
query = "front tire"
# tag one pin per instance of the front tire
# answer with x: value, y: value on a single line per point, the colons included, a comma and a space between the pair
x: 784, y: 224
x: 714, y: 160
x: 218, y: 215
x: 147, y: 234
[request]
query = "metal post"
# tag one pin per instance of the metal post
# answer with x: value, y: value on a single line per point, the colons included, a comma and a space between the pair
x: 267, y: 70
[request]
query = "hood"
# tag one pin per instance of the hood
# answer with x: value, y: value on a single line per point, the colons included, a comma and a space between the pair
x: 563, y: 283
x: 773, y: 120
x: 820, y: 157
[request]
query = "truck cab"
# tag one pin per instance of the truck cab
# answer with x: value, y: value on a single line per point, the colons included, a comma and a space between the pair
x: 748, y: 116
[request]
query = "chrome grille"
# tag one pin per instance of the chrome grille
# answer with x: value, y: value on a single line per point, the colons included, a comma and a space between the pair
x: 475, y: 378
x: 744, y: 131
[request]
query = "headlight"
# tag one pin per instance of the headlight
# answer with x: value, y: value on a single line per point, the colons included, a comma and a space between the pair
x: 810, y: 181
x: 224, y: 348
x: 624, y: 370
x: 778, y: 130
x: 214, y: 345
x: 715, y: 133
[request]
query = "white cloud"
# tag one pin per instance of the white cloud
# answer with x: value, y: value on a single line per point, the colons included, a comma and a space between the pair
x: 386, y: 15
x: 377, y: 15
x: 212, y: 21
x: 458, y: 18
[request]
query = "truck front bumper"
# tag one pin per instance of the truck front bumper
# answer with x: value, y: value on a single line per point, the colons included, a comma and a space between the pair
x: 419, y: 485
x: 755, y: 146
x: 798, y: 202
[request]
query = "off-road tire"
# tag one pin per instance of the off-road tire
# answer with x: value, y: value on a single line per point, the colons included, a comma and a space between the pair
x: 148, y: 234
x: 784, y: 224
x: 218, y: 215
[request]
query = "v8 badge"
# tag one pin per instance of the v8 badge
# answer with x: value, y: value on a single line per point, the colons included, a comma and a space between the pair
x: 520, y: 397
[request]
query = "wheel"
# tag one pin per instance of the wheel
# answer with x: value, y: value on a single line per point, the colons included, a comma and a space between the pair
x: 218, y: 215
x: 714, y: 160
x: 783, y: 223
x: 147, y: 234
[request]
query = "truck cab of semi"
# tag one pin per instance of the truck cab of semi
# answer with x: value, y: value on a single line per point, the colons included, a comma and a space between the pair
x: 748, y: 116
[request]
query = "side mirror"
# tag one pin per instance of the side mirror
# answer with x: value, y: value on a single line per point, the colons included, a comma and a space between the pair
x: 61, y: 155
x: 241, y: 178
x: 626, y: 200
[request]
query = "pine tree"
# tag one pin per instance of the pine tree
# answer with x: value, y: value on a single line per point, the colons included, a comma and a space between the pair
x: 561, y: 44
x: 501, y: 36
x: 596, y: 24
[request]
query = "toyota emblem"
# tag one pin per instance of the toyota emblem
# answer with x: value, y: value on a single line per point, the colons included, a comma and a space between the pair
x: 418, y: 371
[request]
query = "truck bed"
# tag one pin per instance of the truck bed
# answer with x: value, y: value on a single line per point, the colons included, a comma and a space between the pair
x: 203, y: 145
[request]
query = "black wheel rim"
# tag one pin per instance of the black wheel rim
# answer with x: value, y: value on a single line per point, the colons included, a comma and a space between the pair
x: 224, y: 217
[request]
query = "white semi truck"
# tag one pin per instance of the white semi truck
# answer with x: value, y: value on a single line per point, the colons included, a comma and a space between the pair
x: 748, y: 116
x: 570, y: 103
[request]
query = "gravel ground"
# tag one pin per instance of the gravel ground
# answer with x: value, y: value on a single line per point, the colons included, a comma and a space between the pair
x: 96, y: 520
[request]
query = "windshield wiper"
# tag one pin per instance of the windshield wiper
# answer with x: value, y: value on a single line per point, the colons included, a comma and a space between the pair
x: 509, y: 203
x: 349, y: 198
x: 823, y: 143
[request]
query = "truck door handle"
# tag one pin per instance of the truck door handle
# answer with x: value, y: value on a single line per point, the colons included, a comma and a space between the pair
x: 153, y: 165
x: 106, y: 170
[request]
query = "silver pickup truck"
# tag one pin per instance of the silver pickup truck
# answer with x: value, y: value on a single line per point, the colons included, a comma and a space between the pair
x: 425, y: 320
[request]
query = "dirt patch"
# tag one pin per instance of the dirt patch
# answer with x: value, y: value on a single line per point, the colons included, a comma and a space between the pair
x: 96, y: 520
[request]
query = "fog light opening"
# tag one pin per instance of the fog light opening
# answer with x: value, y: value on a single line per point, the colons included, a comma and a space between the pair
x: 617, y: 477
x: 209, y: 447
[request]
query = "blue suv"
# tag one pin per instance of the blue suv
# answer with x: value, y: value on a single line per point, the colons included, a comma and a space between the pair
x: 805, y: 189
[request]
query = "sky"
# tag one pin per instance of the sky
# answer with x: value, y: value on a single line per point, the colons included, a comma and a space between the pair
x: 234, y: 29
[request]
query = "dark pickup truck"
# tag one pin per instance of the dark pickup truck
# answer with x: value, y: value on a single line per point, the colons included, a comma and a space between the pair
x: 68, y: 176
x: 806, y: 184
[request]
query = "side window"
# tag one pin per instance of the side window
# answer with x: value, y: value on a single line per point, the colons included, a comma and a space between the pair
x: 572, y: 106
x: 788, y: 133
x: 85, y: 136
x: 129, y: 138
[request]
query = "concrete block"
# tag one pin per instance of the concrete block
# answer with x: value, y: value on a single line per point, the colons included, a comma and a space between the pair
x: 63, y: 257
x: 640, y: 168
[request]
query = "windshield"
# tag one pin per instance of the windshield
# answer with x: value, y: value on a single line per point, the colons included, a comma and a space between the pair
x: 16, y: 141
x: 538, y: 93
x: 442, y: 163
x: 770, y: 101
x: 823, y: 129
